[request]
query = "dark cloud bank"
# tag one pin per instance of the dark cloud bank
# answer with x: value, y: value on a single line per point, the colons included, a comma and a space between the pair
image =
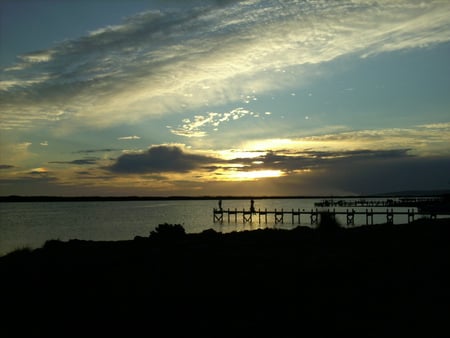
x: 159, y: 159
x: 361, y: 171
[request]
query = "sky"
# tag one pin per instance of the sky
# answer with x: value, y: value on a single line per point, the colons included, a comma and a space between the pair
x: 224, y: 97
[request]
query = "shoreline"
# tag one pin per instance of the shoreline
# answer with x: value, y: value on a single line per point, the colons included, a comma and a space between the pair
x: 49, y: 198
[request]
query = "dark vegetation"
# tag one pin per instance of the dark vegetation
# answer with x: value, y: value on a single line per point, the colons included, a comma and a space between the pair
x: 371, y: 281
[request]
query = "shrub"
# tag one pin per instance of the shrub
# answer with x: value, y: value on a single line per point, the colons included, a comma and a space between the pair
x: 168, y: 231
x: 20, y: 252
x: 328, y: 221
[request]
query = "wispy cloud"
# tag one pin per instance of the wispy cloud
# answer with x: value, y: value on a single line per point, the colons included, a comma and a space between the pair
x: 423, y: 140
x: 167, y: 61
x: 16, y: 153
x: 41, y: 171
x: 126, y: 138
x: 84, y: 161
x: 198, y: 126
x: 90, y: 151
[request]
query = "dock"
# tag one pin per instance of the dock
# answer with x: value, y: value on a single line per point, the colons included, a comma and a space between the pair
x: 312, y: 217
x: 377, y: 203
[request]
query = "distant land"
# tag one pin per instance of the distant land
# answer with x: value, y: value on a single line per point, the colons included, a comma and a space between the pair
x: 415, y: 193
x: 45, y: 198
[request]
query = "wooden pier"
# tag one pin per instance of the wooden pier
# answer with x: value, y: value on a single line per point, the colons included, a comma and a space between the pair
x: 377, y: 203
x: 313, y: 215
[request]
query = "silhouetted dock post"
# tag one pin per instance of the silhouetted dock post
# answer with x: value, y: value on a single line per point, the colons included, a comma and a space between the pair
x: 351, y: 217
x: 279, y: 216
x: 369, y: 214
x: 295, y: 213
x: 332, y: 214
x: 218, y: 215
x: 232, y: 213
x: 390, y: 216
x: 314, y: 217
x: 247, y: 216
x: 262, y: 213
x: 410, y: 216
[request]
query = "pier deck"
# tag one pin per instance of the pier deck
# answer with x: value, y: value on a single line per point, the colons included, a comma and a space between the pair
x: 313, y: 215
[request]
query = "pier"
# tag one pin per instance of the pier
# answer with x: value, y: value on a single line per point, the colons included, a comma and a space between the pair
x: 377, y: 203
x: 312, y: 217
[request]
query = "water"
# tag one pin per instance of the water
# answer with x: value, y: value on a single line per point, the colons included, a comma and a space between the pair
x: 32, y: 224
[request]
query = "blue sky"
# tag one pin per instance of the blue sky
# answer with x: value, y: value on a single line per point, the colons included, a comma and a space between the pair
x: 224, y: 97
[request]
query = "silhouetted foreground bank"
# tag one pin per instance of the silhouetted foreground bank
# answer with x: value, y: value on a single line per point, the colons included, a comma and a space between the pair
x: 374, y: 281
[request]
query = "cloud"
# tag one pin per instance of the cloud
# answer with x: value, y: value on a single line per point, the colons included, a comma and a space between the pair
x: 34, y: 178
x: 351, y: 172
x: 6, y: 166
x: 31, y: 184
x: 173, y: 159
x: 90, y: 151
x: 167, y: 61
x: 18, y: 154
x: 424, y: 140
x: 39, y: 172
x: 129, y: 138
x: 44, y: 143
x: 84, y: 161
x: 166, y: 168
x: 159, y: 159
x: 292, y: 156
x: 289, y: 162
x: 92, y: 175
x: 196, y: 127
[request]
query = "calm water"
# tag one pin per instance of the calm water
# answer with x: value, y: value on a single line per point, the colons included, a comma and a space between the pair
x: 31, y: 224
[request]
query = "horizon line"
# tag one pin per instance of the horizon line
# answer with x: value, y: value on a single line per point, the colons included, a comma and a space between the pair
x: 52, y: 198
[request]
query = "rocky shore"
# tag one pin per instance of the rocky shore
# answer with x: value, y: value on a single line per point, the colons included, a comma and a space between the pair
x: 370, y: 281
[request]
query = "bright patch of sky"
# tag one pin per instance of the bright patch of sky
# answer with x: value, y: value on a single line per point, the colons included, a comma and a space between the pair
x: 94, y: 92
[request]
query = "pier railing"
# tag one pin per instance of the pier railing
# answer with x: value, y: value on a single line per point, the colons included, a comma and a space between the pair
x: 313, y: 215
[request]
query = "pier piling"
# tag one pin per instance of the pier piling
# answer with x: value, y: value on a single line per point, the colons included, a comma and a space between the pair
x: 351, y: 217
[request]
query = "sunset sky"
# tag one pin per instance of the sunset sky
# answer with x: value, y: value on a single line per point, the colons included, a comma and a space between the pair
x: 224, y: 97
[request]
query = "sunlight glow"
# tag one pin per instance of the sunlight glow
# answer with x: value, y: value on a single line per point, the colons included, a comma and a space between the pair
x: 39, y: 170
x: 233, y: 154
x: 270, y: 144
x: 253, y: 175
